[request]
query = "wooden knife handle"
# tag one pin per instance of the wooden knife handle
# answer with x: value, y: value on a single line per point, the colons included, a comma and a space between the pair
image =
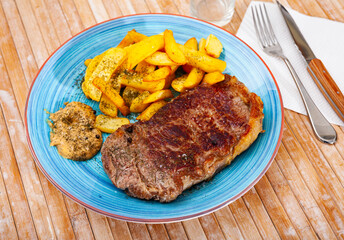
x: 327, y: 86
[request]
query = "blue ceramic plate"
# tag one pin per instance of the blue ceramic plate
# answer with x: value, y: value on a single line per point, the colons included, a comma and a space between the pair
x: 58, y: 82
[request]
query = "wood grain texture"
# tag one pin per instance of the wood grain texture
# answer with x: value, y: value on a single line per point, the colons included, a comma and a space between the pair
x: 300, y: 197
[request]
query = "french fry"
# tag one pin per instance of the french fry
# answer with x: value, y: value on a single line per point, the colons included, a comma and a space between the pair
x: 201, y: 45
x: 137, y: 104
x: 191, y: 43
x: 107, y: 106
x: 135, y: 80
x: 131, y: 37
x: 158, y: 95
x: 87, y: 62
x: 112, y: 94
x: 109, y: 124
x: 144, y: 67
x: 109, y: 63
x: 213, y: 46
x: 214, y: 77
x: 178, y: 83
x: 203, y: 61
x: 194, y: 78
x: 160, y: 59
x: 172, y: 49
x: 169, y: 78
x: 157, y: 75
x: 87, y: 84
x: 151, y: 110
x: 143, y: 49
x: 129, y: 94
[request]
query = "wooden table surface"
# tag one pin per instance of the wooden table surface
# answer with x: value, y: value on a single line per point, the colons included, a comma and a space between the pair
x: 300, y: 196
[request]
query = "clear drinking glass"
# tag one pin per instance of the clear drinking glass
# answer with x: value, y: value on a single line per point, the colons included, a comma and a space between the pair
x: 219, y: 12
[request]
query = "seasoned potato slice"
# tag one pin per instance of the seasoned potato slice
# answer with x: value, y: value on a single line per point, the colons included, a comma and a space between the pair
x: 87, y: 62
x: 191, y: 43
x: 151, y: 110
x: 214, y: 77
x: 107, y: 106
x: 158, y: 74
x: 131, y: 37
x: 112, y: 59
x: 178, y: 83
x: 160, y: 59
x: 135, y: 80
x: 194, y: 78
x: 143, y: 49
x: 158, y: 95
x: 213, y: 46
x: 87, y: 84
x: 137, y: 104
x: 145, y: 68
x: 112, y: 94
x: 109, y: 124
x: 129, y: 94
x: 203, y: 61
x: 172, y: 48
x: 201, y: 45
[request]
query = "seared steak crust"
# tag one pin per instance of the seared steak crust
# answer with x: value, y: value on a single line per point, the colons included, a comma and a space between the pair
x: 185, y: 142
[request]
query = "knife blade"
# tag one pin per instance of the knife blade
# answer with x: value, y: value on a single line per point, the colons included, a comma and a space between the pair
x: 315, y: 68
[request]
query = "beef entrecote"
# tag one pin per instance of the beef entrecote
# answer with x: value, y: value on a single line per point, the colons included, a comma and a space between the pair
x: 185, y: 142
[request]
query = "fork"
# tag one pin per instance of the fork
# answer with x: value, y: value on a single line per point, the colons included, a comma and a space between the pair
x: 270, y: 45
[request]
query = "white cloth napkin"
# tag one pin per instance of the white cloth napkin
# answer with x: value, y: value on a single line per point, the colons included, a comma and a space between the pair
x: 325, y: 37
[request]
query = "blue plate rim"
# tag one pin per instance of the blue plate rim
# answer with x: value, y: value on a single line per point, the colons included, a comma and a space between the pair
x: 163, y: 220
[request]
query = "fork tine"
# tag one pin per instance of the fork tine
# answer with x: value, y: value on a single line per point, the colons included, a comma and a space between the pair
x: 265, y: 27
x: 274, y: 39
x: 257, y: 25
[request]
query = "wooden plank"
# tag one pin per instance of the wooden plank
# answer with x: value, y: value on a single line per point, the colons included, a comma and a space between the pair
x: 157, y: 231
x: 85, y: 13
x: 183, y: 6
x: 289, y: 202
x: 228, y: 224
x: 100, y: 225
x: 244, y: 220
x: 211, y: 227
x: 79, y: 220
x: 72, y: 17
x: 112, y: 8
x: 138, y: 231
x: 132, y: 6
x: 313, y: 182
x: 194, y: 229
x: 260, y: 216
x: 120, y: 229
x: 278, y: 216
x: 176, y: 231
x: 98, y: 10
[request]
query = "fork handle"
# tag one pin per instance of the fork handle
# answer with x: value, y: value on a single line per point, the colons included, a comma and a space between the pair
x: 321, y: 127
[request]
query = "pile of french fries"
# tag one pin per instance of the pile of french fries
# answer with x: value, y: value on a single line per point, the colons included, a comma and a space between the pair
x: 136, y: 76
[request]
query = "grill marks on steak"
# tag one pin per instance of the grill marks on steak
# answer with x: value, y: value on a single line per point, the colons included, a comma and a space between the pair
x: 185, y: 142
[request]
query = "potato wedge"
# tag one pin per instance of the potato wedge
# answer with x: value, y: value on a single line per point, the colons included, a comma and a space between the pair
x: 194, y: 78
x: 137, y: 104
x: 109, y: 124
x: 172, y: 48
x: 191, y: 43
x: 143, y: 49
x: 213, y: 46
x: 107, y: 107
x: 145, y: 68
x: 129, y: 94
x: 158, y: 74
x: 131, y: 38
x: 151, y: 110
x: 214, y: 77
x: 112, y: 59
x: 178, y: 83
x: 112, y: 94
x: 87, y: 84
x: 169, y: 78
x: 203, y: 61
x: 135, y: 80
x: 87, y: 62
x: 160, y: 59
x: 158, y: 95
x: 201, y: 45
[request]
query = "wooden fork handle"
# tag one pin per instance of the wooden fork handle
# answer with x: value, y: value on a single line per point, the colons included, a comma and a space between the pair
x: 327, y: 86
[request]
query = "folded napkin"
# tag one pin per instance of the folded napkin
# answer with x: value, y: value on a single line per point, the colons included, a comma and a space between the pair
x: 325, y: 37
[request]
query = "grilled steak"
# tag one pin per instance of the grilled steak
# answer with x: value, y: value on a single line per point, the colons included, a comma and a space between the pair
x: 185, y: 142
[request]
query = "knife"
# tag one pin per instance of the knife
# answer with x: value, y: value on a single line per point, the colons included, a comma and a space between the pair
x: 315, y: 67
